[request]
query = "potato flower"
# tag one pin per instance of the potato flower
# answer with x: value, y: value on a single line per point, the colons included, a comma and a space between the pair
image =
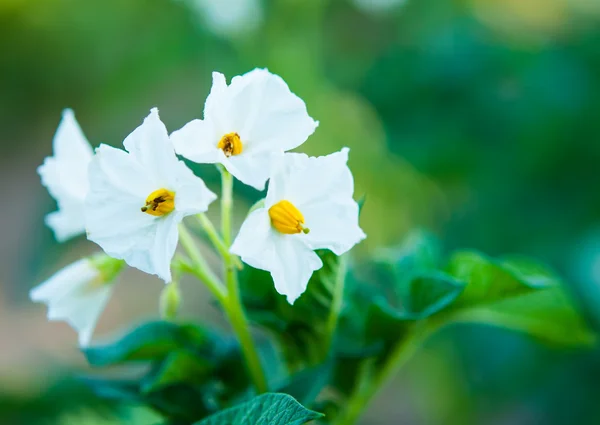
x: 79, y: 292
x: 245, y: 124
x: 308, y: 206
x: 138, y: 197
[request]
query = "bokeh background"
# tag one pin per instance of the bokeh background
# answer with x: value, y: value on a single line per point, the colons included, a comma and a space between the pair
x: 477, y: 119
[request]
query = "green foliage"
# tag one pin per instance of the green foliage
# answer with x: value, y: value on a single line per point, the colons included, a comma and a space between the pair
x: 187, y: 369
x: 148, y: 342
x: 339, y: 337
x: 266, y: 409
x: 303, y: 330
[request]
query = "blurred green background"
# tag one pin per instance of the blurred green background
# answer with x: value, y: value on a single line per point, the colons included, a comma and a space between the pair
x: 478, y: 119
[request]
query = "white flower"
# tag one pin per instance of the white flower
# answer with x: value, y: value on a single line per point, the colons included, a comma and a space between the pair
x: 245, y: 124
x: 137, y: 198
x: 79, y: 292
x: 65, y: 176
x: 308, y: 206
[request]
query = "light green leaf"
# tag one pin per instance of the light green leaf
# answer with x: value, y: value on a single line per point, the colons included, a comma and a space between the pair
x: 266, y: 409
x: 516, y: 294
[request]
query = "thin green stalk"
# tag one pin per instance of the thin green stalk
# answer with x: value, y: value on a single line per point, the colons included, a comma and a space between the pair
x: 233, y: 305
x: 336, y: 302
x: 368, y: 385
x: 199, y: 266
x: 215, y: 238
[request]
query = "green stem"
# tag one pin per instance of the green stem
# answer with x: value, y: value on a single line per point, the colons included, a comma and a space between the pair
x: 336, y: 301
x: 215, y: 238
x: 199, y: 266
x: 233, y: 304
x: 368, y: 386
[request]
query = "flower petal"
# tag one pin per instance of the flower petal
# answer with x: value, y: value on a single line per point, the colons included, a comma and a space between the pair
x: 191, y: 194
x: 290, y: 261
x: 297, y: 262
x: 197, y: 141
x: 150, y: 146
x: 255, y: 242
x: 321, y: 188
x: 304, y: 180
x: 333, y: 226
x: 67, y: 222
x: 118, y: 189
x: 216, y: 97
x: 165, y: 243
x: 77, y: 295
x: 253, y: 170
x: 65, y: 177
x: 266, y: 114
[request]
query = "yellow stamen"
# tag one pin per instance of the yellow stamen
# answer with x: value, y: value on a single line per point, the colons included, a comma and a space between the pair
x: 287, y: 219
x: 231, y: 144
x: 160, y: 202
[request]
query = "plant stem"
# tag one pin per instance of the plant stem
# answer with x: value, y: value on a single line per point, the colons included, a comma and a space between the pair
x: 200, y: 267
x: 233, y: 305
x: 367, y: 386
x: 336, y: 302
x: 215, y: 238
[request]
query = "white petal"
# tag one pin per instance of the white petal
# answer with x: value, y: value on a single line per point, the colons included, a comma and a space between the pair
x: 253, y: 170
x: 303, y: 180
x: 191, y: 194
x: 65, y: 176
x: 118, y: 189
x: 255, y: 242
x: 290, y: 261
x: 216, y: 96
x: 321, y: 188
x: 333, y: 226
x: 197, y: 141
x: 149, y: 144
x: 165, y: 243
x: 297, y: 262
x: 266, y: 114
x: 77, y: 295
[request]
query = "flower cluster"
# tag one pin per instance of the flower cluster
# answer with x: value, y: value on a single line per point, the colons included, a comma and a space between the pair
x: 131, y: 202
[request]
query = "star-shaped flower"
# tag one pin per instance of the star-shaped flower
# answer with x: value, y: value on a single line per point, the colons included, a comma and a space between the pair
x: 137, y: 198
x: 245, y: 124
x: 65, y: 177
x: 79, y: 292
x: 308, y: 206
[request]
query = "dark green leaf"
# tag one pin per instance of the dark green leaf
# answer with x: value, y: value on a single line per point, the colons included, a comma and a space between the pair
x: 306, y: 385
x: 266, y: 409
x: 178, y: 367
x: 150, y: 341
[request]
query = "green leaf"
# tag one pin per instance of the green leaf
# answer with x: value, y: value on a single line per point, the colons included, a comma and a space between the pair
x: 418, y: 289
x: 546, y: 314
x: 306, y: 385
x: 178, y: 367
x: 150, y: 341
x: 516, y: 294
x: 266, y: 409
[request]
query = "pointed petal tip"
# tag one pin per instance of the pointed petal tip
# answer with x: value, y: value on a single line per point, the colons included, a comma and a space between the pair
x: 68, y: 113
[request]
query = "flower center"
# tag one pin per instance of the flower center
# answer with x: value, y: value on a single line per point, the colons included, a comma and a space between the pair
x: 287, y: 219
x: 230, y: 144
x: 160, y: 202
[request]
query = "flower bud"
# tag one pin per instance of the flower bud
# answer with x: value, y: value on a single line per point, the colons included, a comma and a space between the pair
x: 170, y: 300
